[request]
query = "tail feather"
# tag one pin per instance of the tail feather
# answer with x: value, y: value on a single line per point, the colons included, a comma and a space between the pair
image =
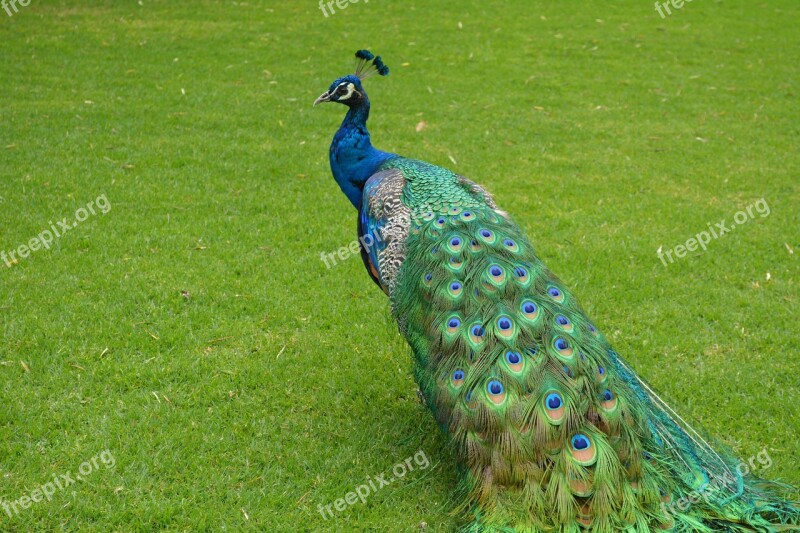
x: 555, y: 432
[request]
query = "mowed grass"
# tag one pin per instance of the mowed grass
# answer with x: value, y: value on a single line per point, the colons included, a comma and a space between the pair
x: 194, y: 333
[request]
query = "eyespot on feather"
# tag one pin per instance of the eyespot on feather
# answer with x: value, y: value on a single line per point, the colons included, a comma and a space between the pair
x: 609, y: 400
x: 455, y: 264
x: 487, y: 235
x: 455, y: 289
x: 455, y: 243
x: 505, y: 327
x: 582, y: 449
x: 453, y: 324
x: 469, y: 399
x: 496, y: 273
x: 532, y: 352
x: 564, y: 323
x: 522, y: 276
x: 530, y: 311
x: 514, y: 361
x: 477, y: 333
x: 563, y: 348
x: 554, y: 407
x: 556, y: 294
x: 496, y: 392
x: 511, y: 245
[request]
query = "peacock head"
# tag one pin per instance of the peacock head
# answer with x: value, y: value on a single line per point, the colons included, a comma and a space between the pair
x: 348, y: 90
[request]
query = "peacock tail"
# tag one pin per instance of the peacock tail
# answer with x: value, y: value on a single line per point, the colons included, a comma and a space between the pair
x: 552, y: 428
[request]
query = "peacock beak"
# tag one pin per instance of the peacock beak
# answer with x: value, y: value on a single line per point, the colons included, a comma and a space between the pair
x: 324, y: 97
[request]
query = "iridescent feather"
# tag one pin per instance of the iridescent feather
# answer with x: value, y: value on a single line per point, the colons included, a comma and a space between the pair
x: 553, y: 429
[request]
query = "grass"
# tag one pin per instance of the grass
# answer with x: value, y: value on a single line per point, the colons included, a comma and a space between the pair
x: 193, y: 331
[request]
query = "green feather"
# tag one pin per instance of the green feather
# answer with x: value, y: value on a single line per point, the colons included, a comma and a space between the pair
x: 560, y: 435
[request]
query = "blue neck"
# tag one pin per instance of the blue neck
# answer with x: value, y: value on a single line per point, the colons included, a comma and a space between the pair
x: 353, y: 158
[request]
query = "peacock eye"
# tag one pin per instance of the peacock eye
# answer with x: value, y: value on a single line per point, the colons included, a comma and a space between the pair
x: 341, y: 90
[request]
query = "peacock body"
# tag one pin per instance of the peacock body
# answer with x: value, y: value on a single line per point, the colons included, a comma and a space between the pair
x: 553, y: 430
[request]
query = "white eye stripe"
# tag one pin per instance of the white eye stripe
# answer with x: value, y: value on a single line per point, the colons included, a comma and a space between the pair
x: 350, y: 90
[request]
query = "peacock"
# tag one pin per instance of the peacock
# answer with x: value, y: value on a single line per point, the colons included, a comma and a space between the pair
x: 552, y: 429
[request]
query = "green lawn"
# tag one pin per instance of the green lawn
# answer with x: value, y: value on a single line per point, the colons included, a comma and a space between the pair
x: 192, y: 333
